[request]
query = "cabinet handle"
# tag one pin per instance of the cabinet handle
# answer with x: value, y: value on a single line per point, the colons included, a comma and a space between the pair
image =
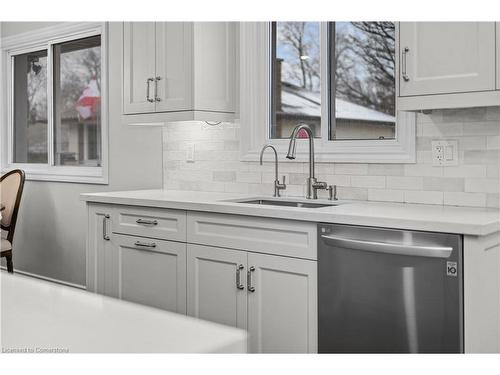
x: 249, y: 279
x: 146, y: 222
x: 145, y: 244
x: 239, y: 285
x: 156, y: 88
x: 404, y: 55
x: 104, y: 229
x: 147, y: 90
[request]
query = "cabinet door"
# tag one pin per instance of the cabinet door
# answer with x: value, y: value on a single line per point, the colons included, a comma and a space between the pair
x: 215, y: 66
x: 498, y: 54
x: 138, y: 67
x: 282, y: 309
x: 147, y: 271
x: 174, y: 50
x: 212, y: 290
x: 98, y: 244
x: 446, y: 57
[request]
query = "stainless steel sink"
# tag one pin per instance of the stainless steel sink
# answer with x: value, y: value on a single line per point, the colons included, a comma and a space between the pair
x: 272, y: 202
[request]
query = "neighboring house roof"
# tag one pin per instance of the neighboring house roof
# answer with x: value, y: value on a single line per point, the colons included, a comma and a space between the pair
x: 298, y: 101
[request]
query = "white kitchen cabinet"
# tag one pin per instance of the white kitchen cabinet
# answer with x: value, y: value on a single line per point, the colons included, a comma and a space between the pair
x: 498, y: 54
x: 173, y: 79
x: 156, y: 71
x: 215, y: 285
x: 98, y: 244
x: 447, y: 65
x: 176, y: 71
x: 147, y: 271
x: 146, y: 255
x: 215, y: 66
x: 139, y: 70
x: 446, y: 57
x: 279, y: 294
x: 137, y: 269
x: 282, y: 307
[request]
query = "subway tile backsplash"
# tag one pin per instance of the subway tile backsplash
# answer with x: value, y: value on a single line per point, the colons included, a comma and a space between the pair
x: 475, y: 181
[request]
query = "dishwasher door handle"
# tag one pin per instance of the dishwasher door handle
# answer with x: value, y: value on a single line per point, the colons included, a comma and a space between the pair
x: 389, y: 248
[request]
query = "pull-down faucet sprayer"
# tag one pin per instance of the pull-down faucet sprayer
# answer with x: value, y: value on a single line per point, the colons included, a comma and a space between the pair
x: 312, y: 184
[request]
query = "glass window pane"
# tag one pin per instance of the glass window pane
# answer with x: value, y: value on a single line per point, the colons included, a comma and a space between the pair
x: 364, y: 82
x: 296, y: 88
x: 77, y: 102
x: 30, y: 107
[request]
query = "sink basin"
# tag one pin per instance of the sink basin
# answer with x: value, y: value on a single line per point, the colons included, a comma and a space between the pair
x: 271, y: 202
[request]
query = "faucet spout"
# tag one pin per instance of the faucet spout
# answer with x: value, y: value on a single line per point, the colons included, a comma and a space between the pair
x: 277, y: 184
x: 293, y: 141
x: 312, y: 184
x: 292, y: 146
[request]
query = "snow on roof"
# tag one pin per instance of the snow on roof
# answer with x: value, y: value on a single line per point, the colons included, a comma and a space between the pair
x: 295, y: 100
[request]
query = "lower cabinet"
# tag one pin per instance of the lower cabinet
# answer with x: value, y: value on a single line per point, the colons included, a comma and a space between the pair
x: 273, y: 297
x: 215, y: 288
x: 282, y: 307
x: 147, y: 271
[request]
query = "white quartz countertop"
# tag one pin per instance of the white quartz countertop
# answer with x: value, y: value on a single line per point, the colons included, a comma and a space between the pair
x: 436, y: 218
x: 40, y: 316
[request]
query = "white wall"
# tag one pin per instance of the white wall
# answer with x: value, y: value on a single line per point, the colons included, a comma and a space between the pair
x: 50, y: 234
x: 474, y: 182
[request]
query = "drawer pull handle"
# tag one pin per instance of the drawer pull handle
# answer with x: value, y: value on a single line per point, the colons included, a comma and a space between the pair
x: 148, y: 98
x: 146, y: 222
x: 239, y: 285
x: 405, y: 75
x: 145, y: 244
x: 156, y: 89
x: 105, y: 235
x: 249, y: 279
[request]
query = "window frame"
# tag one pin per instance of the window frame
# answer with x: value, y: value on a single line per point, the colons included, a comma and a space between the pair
x: 45, y: 39
x: 255, y: 111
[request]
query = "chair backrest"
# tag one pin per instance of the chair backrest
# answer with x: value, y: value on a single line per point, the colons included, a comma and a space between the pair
x: 11, y: 189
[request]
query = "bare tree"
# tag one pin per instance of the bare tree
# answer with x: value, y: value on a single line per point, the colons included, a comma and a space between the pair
x: 37, y: 88
x: 365, y: 65
x: 304, y: 46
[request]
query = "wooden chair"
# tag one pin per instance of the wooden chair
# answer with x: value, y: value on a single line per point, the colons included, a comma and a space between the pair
x: 11, y: 189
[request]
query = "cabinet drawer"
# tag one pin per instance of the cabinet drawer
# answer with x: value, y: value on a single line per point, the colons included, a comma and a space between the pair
x: 272, y: 236
x: 150, y: 222
x: 146, y: 271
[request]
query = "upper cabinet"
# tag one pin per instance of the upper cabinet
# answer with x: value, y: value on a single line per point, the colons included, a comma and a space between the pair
x: 175, y: 71
x: 139, y: 52
x: 498, y: 55
x: 215, y: 67
x: 447, y: 65
x: 173, y: 77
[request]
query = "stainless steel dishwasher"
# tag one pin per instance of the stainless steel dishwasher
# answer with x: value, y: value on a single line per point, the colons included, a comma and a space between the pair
x: 389, y: 291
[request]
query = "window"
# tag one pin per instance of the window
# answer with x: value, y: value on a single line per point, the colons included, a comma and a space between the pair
x: 361, y: 98
x: 364, y: 84
x: 77, y: 102
x: 56, y: 112
x: 30, y: 107
x: 338, y: 77
x: 296, y: 77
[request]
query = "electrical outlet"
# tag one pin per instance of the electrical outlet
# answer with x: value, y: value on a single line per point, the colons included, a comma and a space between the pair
x: 444, y: 153
x: 190, y: 153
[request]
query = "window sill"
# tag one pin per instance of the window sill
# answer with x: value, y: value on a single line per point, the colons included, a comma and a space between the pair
x: 399, y: 150
x: 82, y: 175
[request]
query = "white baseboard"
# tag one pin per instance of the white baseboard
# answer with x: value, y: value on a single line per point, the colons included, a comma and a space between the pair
x: 78, y: 286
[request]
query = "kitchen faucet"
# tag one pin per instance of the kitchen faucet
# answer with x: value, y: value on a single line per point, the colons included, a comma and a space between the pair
x: 312, y: 184
x: 277, y: 184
